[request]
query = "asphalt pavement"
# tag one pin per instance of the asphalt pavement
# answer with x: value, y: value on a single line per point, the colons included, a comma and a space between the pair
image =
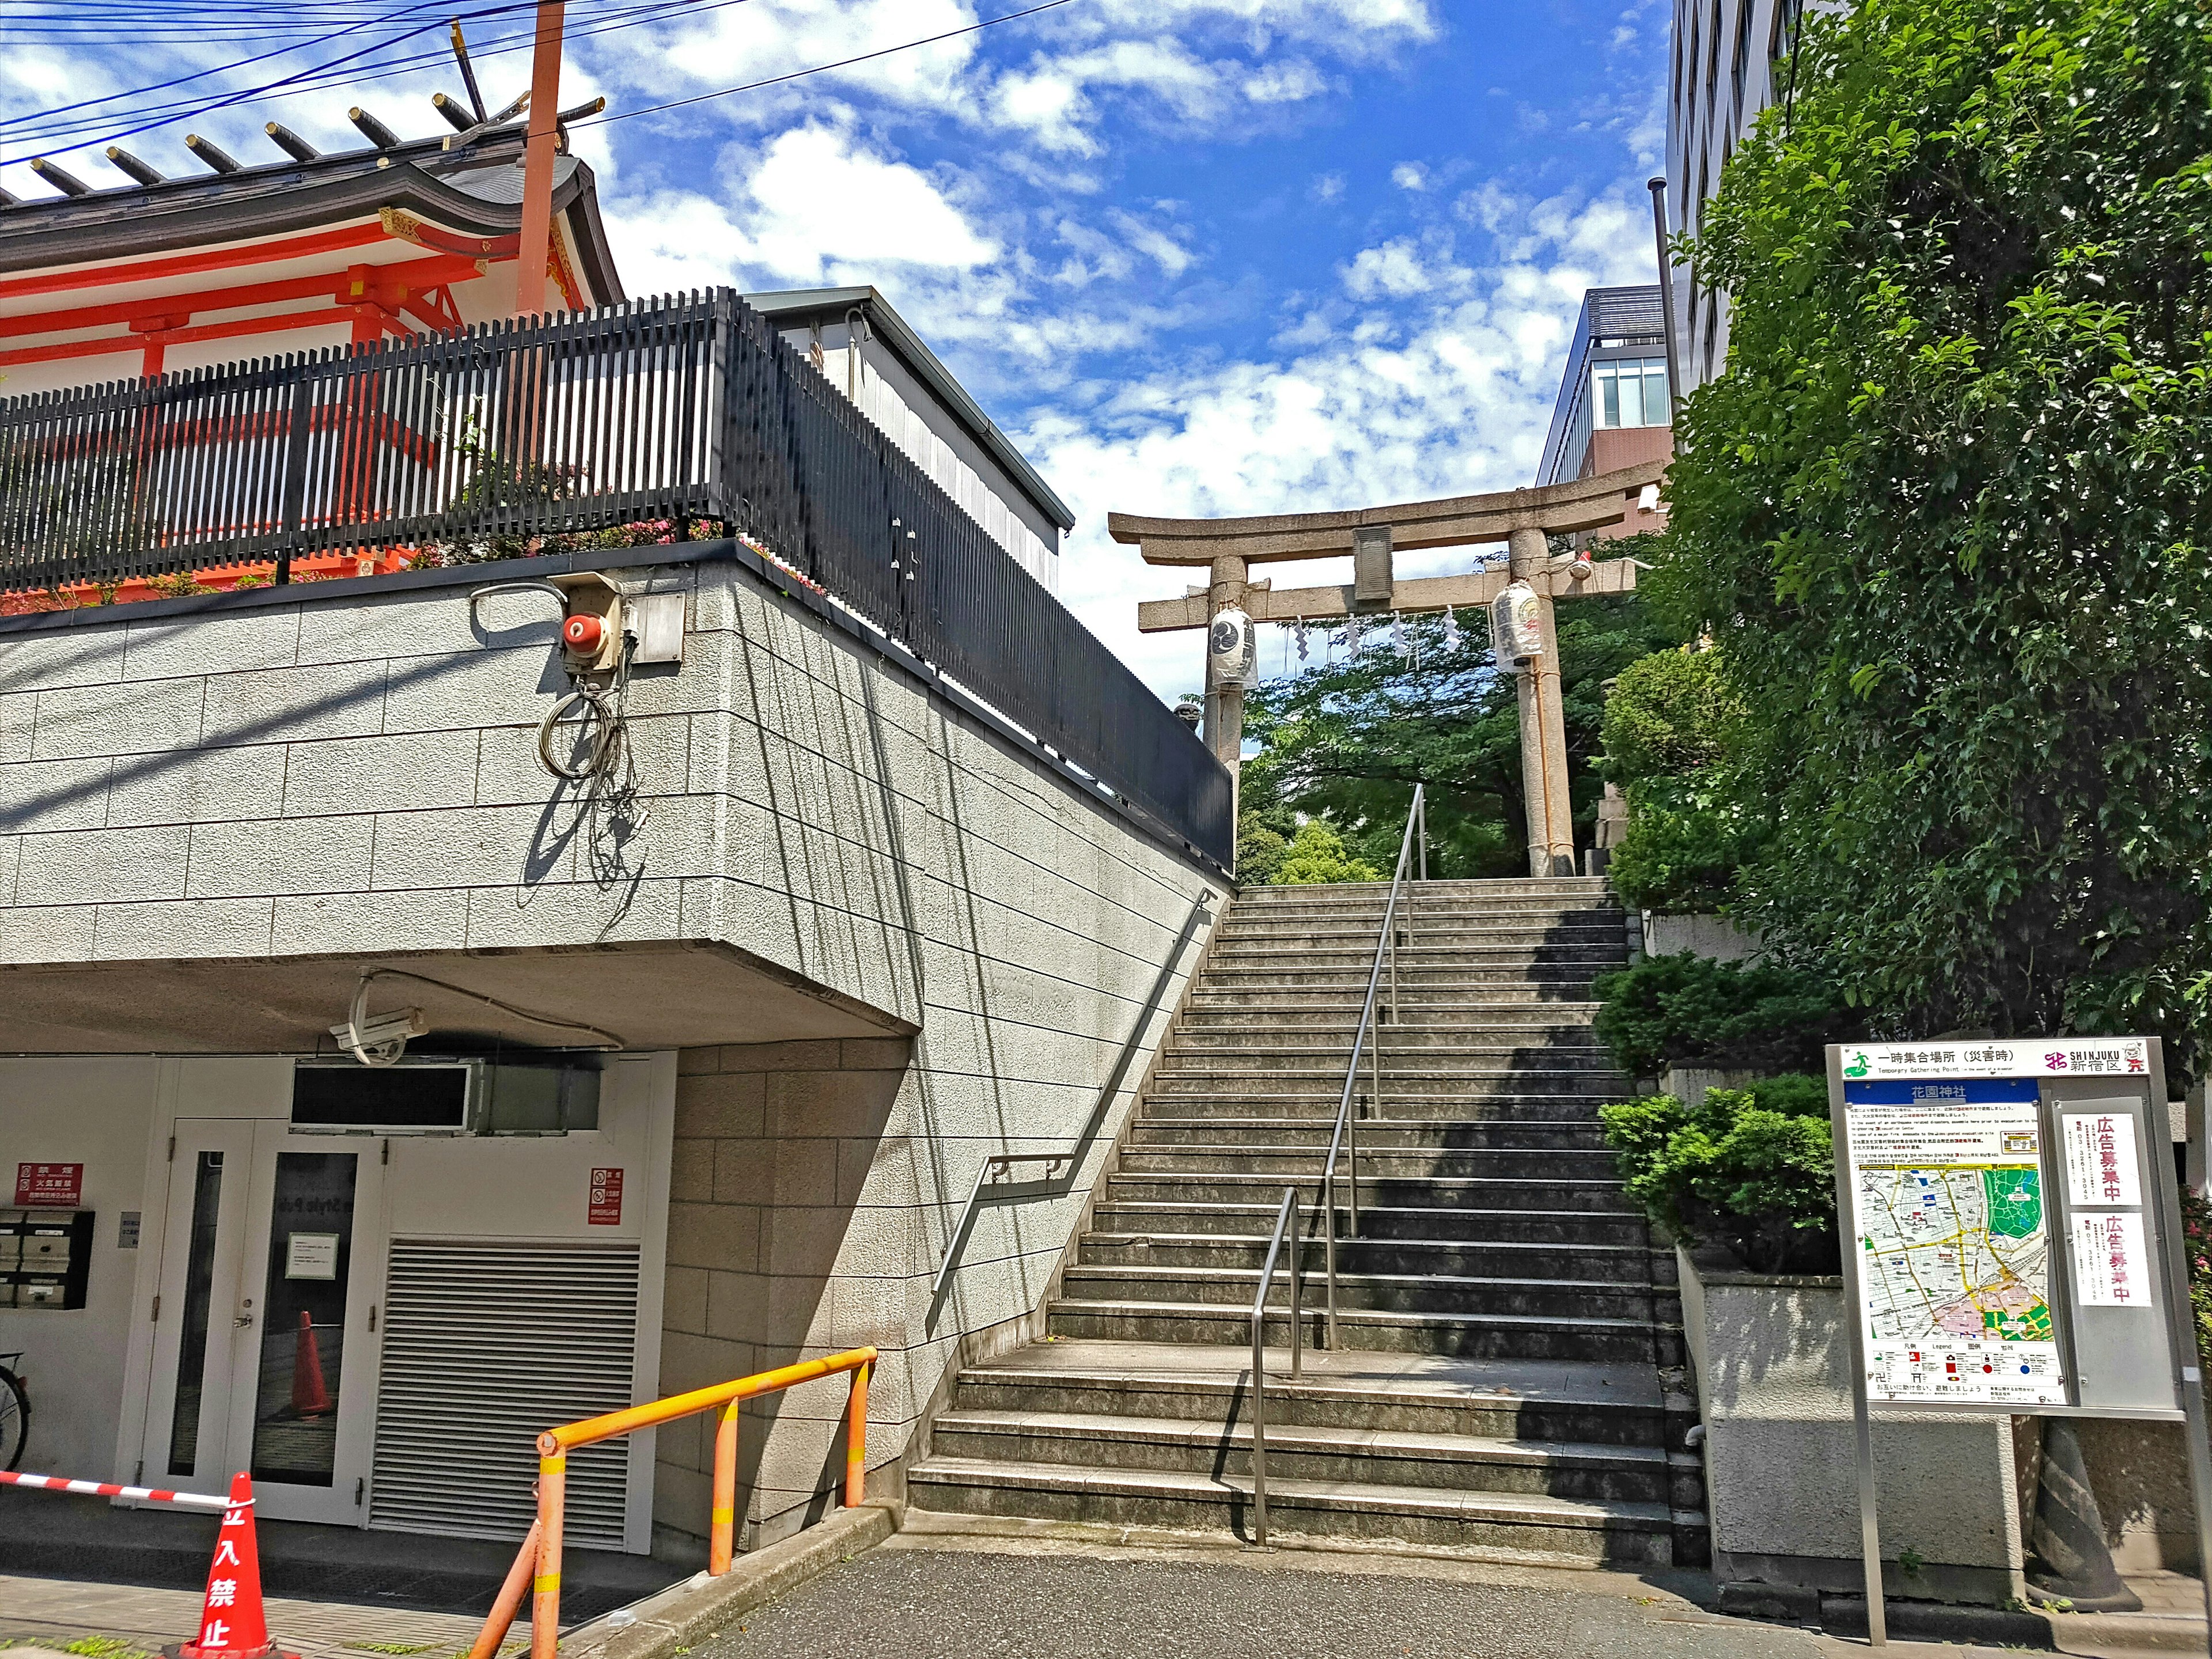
x: 934, y: 1597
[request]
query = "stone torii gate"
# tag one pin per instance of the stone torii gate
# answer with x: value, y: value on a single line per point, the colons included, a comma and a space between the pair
x: 1522, y: 518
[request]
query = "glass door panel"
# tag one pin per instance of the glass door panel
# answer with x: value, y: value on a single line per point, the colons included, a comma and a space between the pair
x: 303, y: 1404
x: 301, y: 1374
x: 204, y: 1237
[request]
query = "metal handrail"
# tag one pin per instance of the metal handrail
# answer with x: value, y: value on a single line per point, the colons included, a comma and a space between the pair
x: 536, y: 1570
x: 1286, y: 1218
x: 1417, y: 818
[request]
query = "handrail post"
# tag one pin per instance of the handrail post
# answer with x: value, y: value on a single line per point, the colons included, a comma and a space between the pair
x: 1259, y: 1444
x: 545, y: 1587
x: 1329, y: 1245
x: 722, y: 1524
x: 508, y: 1601
x: 1286, y: 1220
x: 856, y: 1438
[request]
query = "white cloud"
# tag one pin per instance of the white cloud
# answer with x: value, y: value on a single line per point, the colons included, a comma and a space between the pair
x: 1410, y: 175
x: 1329, y: 187
x: 1445, y: 391
x: 1051, y: 100
x: 1288, y: 82
x: 1397, y: 269
x: 817, y: 207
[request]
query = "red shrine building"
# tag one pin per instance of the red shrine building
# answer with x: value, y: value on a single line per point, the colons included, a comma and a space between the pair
x: 293, y: 255
x: 303, y: 254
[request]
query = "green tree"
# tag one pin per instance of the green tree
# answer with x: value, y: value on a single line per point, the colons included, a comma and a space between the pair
x: 1348, y: 737
x: 1317, y: 855
x: 1672, y: 725
x: 1947, y: 511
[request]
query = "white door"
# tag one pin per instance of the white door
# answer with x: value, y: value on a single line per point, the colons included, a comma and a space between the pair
x: 277, y: 1246
x: 188, y: 1422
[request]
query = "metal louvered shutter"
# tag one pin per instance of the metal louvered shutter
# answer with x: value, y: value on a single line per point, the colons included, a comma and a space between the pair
x: 487, y: 1344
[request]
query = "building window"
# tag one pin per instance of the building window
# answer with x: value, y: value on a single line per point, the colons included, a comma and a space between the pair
x: 1783, y: 39
x: 1713, y: 59
x: 1629, y: 391
x: 1739, y: 66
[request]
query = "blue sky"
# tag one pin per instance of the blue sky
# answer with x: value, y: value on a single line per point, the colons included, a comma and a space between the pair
x: 1197, y: 256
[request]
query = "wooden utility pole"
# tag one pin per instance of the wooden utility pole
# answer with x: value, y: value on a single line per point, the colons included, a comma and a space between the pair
x: 1520, y: 517
x: 540, y: 150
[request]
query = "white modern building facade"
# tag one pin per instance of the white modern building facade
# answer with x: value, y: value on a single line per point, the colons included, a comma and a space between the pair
x: 1731, y: 58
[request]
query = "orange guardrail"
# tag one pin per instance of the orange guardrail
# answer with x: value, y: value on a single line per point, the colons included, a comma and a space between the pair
x: 537, y: 1564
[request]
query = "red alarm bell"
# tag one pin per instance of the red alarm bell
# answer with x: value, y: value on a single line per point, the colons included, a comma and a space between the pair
x: 582, y: 632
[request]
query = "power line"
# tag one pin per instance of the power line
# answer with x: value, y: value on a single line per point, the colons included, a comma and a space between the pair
x: 658, y: 10
x: 842, y: 63
x: 319, y: 76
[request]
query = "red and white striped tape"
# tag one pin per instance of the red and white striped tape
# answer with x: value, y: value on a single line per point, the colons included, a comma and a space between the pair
x: 187, y: 1500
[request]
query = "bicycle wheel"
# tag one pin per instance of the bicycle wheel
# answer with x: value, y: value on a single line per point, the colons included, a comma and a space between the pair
x: 15, y: 1418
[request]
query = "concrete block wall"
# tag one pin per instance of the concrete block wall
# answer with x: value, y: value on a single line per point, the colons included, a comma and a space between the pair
x: 349, y: 769
x: 1771, y: 1357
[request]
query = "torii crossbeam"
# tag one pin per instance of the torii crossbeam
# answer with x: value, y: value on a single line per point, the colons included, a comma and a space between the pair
x: 1522, y: 518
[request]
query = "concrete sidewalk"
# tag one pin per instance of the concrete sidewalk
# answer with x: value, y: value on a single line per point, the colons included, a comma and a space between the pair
x: 41, y: 1615
x: 936, y: 1595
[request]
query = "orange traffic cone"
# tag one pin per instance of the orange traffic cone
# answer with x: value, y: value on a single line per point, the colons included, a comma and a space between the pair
x: 232, y: 1625
x: 309, y: 1397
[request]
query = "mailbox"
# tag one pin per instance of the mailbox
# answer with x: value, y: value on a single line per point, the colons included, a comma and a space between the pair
x: 45, y: 1258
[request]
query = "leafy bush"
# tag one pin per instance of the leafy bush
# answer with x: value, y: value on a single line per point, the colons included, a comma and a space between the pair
x: 1667, y: 714
x: 1750, y: 1168
x: 1317, y: 855
x: 1263, y: 841
x: 1683, y: 850
x: 1688, y: 1010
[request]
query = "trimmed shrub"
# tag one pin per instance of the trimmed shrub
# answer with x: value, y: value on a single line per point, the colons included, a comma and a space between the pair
x: 1753, y: 1168
x: 1688, y: 1010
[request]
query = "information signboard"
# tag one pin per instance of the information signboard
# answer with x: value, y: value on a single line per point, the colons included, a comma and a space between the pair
x: 2011, y: 1240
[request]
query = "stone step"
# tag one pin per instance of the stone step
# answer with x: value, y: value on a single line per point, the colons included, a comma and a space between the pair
x: 1459, y: 976
x: 1317, y: 1106
x: 1429, y: 934
x: 1624, y: 1264
x: 1445, y: 1063
x: 1500, y: 1400
x: 1535, y: 1046
x: 1583, y: 1532
x: 1504, y: 964
x: 1472, y: 887
x: 1422, y: 954
x: 1312, y: 1133
x: 1429, y: 1193
x: 1393, y: 1457
x: 1378, y: 1221
x: 1383, y: 1293
x: 1507, y: 1010
x: 1529, y: 1166
x: 1435, y: 1096
x: 1604, y: 1338
x: 1416, y: 1073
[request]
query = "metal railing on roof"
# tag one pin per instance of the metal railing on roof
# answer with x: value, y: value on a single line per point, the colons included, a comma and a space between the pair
x: 507, y: 438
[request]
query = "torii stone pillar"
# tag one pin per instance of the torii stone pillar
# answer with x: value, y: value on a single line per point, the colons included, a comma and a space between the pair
x: 1522, y: 518
x: 1543, y: 721
x: 1225, y: 702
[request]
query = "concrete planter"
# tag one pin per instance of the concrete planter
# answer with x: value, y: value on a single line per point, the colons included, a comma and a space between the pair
x: 1772, y: 1356
x: 1706, y: 936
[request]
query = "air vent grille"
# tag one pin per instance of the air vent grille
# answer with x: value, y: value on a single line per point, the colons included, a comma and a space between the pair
x: 486, y: 1345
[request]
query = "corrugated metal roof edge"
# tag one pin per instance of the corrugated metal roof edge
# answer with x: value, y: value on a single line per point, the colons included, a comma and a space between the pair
x: 834, y: 303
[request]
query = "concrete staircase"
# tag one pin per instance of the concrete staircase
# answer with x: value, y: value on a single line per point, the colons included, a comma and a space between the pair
x: 1509, y: 1379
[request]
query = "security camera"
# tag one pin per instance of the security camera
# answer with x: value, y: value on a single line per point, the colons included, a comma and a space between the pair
x: 382, y: 1039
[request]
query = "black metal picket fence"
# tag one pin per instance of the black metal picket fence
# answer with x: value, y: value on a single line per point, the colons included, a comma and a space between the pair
x: 689, y: 408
